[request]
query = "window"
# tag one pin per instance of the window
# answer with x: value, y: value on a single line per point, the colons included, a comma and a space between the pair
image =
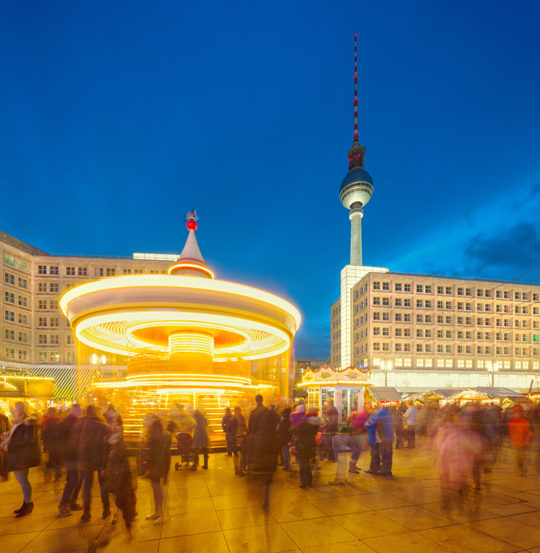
x: 407, y: 317
x: 398, y: 332
x: 42, y: 304
x: 468, y: 291
x: 440, y: 289
x: 448, y: 349
x: 448, y: 334
x: 54, y: 356
x: 22, y: 319
x: 126, y: 271
x: 386, y: 331
x: 54, y: 321
x: 397, y: 317
x: 439, y: 348
x: 460, y: 334
x: 427, y: 289
x: 479, y: 292
x: 9, y: 334
x: 428, y: 349
x: 10, y: 353
x: 376, y: 285
x: 487, y: 294
x: 419, y: 348
x: 70, y: 271
x: 376, y: 331
x: 82, y: 271
x: 53, y: 287
x: 376, y: 346
x: 42, y: 339
x: 397, y: 287
x: 53, y: 270
x: 440, y: 305
x: 42, y: 356
x: 23, y: 301
x: 42, y: 286
x: 23, y: 355
x: 99, y: 271
x: 406, y: 302
x: 406, y: 347
x: 419, y: 288
x: 427, y: 333
x: 386, y: 286
x: 440, y: 333
x: 419, y: 318
x: 9, y: 279
x: 9, y: 297
x: 9, y: 316
x: 386, y: 316
x: 376, y: 300
x: 52, y: 305
x: 55, y: 339
x: 376, y: 316
x: 428, y: 304
x: 448, y: 290
x: 42, y: 269
x: 42, y: 321
x: 428, y: 319
x: 407, y: 332
x: 397, y: 347
x: 448, y: 305
x: 69, y: 357
x: 440, y: 319
x: 419, y: 303
x: 406, y: 287
x: 460, y: 320
x: 398, y: 302
x: 110, y: 271
x: 419, y: 333
x: 448, y: 320
x: 386, y: 346
x: 460, y: 291
x: 386, y: 301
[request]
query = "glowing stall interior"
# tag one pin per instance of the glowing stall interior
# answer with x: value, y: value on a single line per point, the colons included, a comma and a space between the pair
x: 188, y: 337
x: 346, y: 387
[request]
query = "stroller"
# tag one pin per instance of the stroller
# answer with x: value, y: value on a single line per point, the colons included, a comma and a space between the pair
x: 183, y: 445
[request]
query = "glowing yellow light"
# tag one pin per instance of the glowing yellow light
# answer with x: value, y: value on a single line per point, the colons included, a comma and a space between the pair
x: 180, y: 281
x: 199, y: 342
x: 195, y: 266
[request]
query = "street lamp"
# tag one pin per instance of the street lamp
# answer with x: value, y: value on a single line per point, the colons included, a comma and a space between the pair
x: 98, y: 360
x: 493, y: 367
x: 387, y: 366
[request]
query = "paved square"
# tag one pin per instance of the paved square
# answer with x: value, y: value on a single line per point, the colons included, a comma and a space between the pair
x: 216, y: 512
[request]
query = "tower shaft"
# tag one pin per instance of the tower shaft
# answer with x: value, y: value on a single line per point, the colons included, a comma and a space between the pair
x: 355, y: 215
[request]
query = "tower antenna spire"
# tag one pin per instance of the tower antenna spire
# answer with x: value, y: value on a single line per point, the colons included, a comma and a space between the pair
x: 355, y: 135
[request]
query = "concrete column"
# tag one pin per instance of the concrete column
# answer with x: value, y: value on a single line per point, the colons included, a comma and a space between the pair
x: 360, y: 398
x: 355, y: 215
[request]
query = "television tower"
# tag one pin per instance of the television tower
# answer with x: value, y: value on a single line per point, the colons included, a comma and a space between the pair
x: 357, y: 187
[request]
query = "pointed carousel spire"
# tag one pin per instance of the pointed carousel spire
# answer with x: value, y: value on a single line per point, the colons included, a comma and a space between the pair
x: 191, y: 261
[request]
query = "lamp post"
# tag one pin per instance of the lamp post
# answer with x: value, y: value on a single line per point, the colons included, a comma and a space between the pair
x: 493, y: 367
x: 98, y: 360
x: 387, y: 366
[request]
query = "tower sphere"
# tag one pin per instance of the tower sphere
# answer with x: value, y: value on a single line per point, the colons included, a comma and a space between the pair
x: 356, y: 187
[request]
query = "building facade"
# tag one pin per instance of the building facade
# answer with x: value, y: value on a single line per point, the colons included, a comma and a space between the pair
x: 34, y: 334
x: 423, y: 331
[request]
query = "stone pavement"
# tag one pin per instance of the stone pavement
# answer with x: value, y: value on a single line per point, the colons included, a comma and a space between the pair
x: 213, y: 511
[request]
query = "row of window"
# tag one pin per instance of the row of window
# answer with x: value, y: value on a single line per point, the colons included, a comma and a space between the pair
x: 449, y: 349
x: 47, y: 304
x: 9, y: 297
x: 10, y: 278
x: 54, y: 357
x: 22, y: 354
x: 15, y: 262
x: 53, y: 339
x: 460, y: 363
x: 449, y: 290
x: 12, y: 317
x: 51, y: 287
x: 54, y: 270
x: 10, y: 334
x: 448, y: 334
x: 441, y: 319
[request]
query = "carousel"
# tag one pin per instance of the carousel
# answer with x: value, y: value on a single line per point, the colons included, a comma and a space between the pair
x: 188, y: 338
x: 345, y: 387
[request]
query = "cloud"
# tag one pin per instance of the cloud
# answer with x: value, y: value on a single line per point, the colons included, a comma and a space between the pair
x: 517, y: 249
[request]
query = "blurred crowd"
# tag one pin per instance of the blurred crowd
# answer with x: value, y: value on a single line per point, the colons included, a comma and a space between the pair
x: 86, y: 443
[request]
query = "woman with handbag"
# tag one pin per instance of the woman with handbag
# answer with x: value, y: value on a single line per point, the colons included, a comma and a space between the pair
x: 23, y: 452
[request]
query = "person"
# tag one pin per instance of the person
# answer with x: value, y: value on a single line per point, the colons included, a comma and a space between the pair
x: 306, y: 446
x: 519, y: 430
x: 69, y: 430
x: 357, y: 421
x: 284, y: 432
x: 397, y: 417
x: 228, y: 436
x: 4, y: 429
x: 118, y: 473
x: 299, y: 414
x: 157, y: 444
x: 110, y: 414
x: 380, y: 438
x: 23, y: 452
x: 52, y: 443
x: 236, y: 427
x: 200, y: 440
x: 92, y: 450
x: 262, y: 445
x: 330, y: 428
x: 410, y: 419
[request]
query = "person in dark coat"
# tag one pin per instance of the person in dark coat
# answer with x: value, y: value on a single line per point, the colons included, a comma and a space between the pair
x: 306, y: 446
x: 262, y: 444
x: 92, y: 450
x: 118, y: 479
x: 224, y: 424
x: 200, y: 440
x: 23, y: 452
x: 285, y: 434
x: 157, y: 443
x: 380, y: 439
x: 68, y: 432
x: 51, y: 443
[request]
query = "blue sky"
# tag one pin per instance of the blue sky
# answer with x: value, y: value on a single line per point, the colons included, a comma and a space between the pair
x: 117, y: 118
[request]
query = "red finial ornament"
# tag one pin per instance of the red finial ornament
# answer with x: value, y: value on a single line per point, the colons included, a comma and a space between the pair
x: 191, y: 225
